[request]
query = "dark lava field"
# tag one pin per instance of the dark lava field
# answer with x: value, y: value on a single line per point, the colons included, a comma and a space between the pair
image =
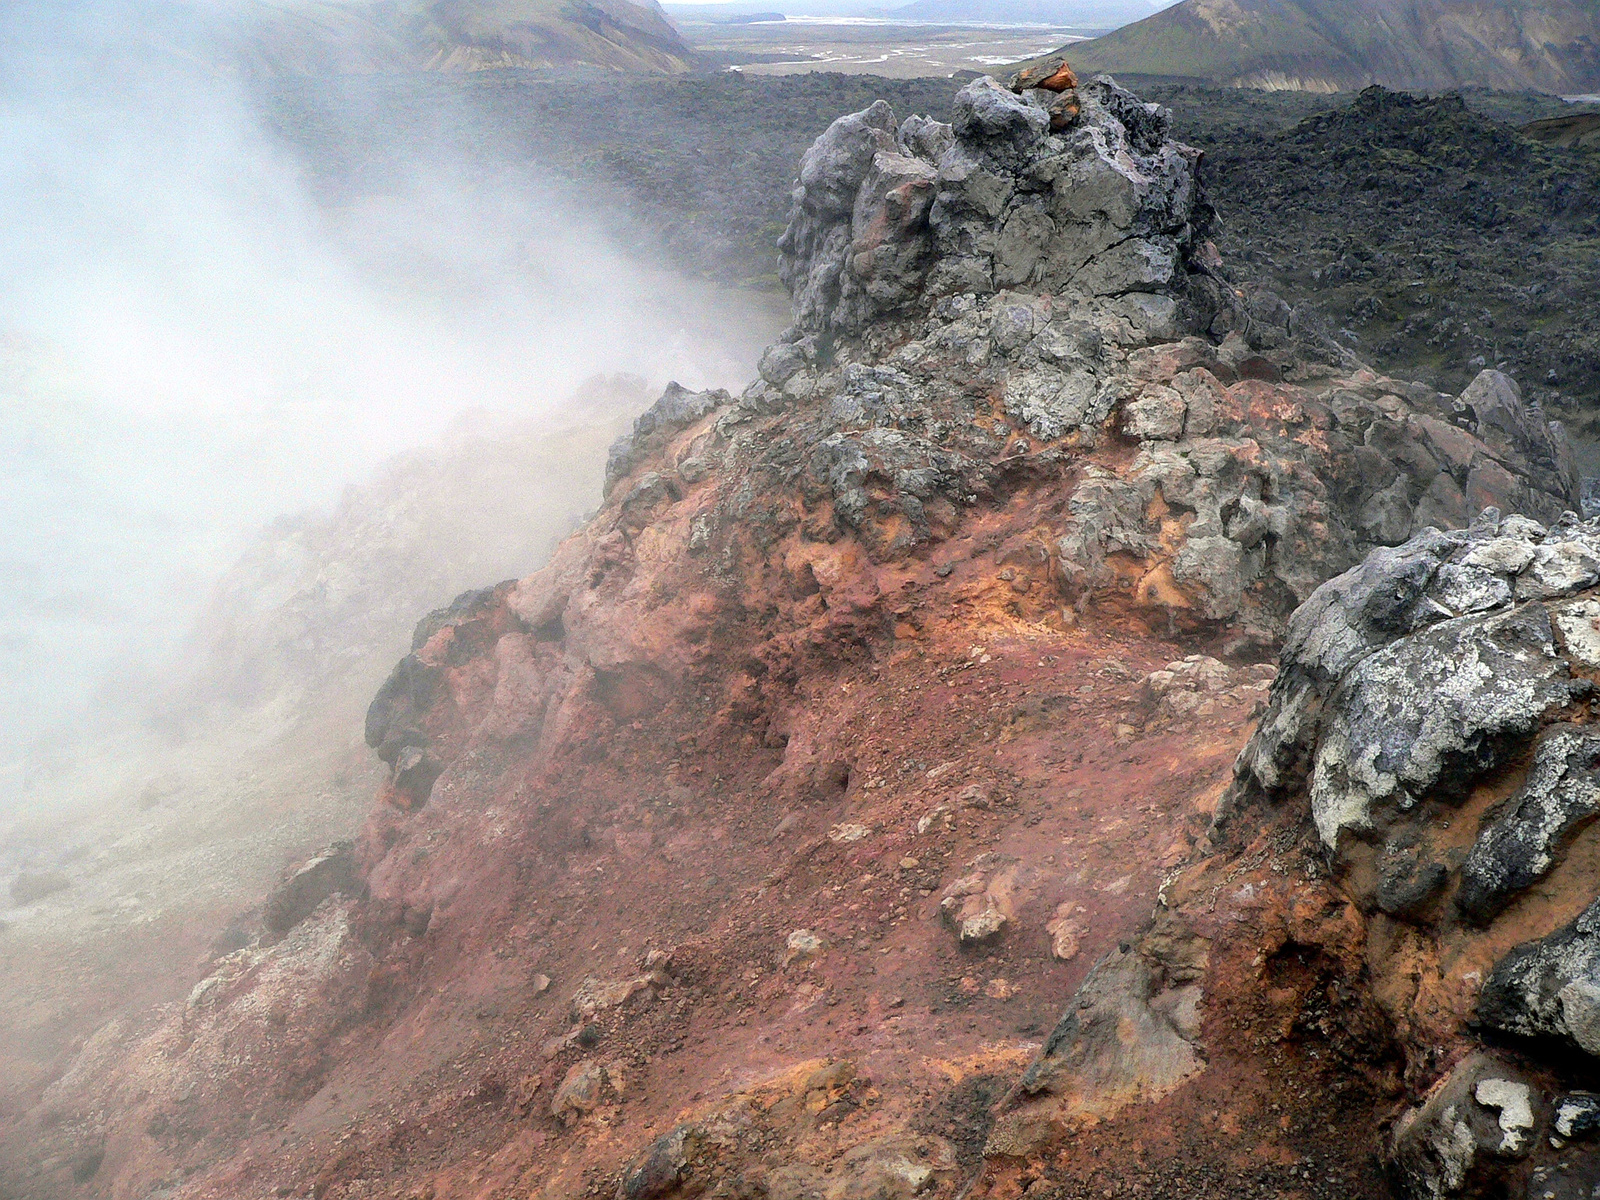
x: 1427, y: 234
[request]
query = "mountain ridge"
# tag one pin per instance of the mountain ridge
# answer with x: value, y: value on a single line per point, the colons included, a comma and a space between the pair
x: 316, y: 37
x: 1340, y: 45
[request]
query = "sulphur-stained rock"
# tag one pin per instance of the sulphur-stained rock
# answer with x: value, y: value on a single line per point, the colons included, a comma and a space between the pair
x: 895, y: 608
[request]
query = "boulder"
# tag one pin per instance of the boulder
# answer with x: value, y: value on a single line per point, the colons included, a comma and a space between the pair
x: 1559, y: 798
x: 1550, y: 988
x: 583, y: 1089
x: 1456, y: 1142
x: 329, y: 872
x: 1129, y: 1036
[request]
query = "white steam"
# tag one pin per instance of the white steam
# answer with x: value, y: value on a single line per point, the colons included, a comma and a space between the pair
x: 191, y: 344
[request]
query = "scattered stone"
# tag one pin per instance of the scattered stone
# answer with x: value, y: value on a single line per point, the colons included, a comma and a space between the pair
x: 978, y: 906
x: 1065, y: 931
x: 332, y: 871
x: 803, y: 946
x: 595, y: 996
x: 1198, y: 685
x: 848, y: 832
x: 580, y: 1092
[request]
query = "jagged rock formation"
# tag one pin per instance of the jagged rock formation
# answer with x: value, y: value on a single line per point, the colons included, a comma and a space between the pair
x: 857, y: 714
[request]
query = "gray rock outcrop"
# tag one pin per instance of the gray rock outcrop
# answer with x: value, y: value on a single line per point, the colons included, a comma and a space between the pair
x: 1411, y: 675
x: 330, y: 871
x: 981, y: 302
x: 891, y: 217
x: 1434, y: 713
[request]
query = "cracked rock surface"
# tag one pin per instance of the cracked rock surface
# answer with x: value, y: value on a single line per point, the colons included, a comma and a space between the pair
x: 1433, y: 719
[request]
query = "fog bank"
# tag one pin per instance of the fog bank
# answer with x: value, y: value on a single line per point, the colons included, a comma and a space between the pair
x: 192, y: 342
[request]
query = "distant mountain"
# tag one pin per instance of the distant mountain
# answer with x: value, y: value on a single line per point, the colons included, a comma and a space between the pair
x: 274, y: 37
x: 1337, y: 45
x: 1089, y: 15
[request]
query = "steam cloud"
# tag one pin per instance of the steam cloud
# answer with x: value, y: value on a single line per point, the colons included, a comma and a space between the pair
x: 191, y: 342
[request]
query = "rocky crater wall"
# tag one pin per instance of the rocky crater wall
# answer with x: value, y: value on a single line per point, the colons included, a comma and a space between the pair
x: 1020, y: 402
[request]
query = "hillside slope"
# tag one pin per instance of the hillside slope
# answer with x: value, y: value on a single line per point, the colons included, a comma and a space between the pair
x: 1085, y: 15
x: 175, y: 813
x: 313, y: 37
x: 1338, y: 45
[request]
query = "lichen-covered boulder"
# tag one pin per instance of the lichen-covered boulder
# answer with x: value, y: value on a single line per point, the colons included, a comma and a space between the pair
x: 1434, y: 714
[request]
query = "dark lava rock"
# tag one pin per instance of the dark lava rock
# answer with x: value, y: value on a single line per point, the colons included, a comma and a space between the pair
x: 1425, y: 235
x: 1577, y: 1115
x: 1550, y: 988
x: 1560, y: 797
